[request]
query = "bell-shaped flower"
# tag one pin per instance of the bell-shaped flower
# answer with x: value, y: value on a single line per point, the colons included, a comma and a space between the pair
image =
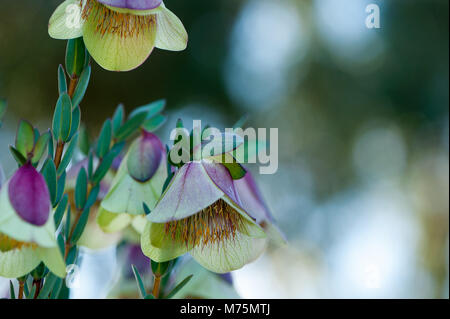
x: 201, y: 213
x: 27, y: 229
x: 119, y: 34
x: 140, y: 179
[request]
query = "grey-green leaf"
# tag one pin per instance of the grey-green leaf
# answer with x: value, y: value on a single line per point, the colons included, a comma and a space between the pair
x: 81, y: 189
x: 82, y: 85
x: 104, y: 140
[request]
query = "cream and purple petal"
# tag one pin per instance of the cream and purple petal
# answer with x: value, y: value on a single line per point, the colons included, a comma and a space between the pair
x: 190, y: 191
x: 112, y: 222
x: 15, y: 227
x: 132, y: 4
x: 254, y: 204
x: 29, y: 195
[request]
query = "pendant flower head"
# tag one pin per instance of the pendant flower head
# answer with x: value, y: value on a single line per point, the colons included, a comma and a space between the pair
x: 119, y: 34
x: 27, y: 230
x: 139, y: 180
x: 201, y: 213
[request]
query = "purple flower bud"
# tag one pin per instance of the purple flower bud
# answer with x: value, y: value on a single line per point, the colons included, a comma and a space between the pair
x: 144, y: 157
x: 29, y: 196
x: 133, y: 4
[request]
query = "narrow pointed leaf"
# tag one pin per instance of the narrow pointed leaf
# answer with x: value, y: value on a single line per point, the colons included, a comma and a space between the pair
x: 81, y: 189
x: 68, y: 155
x: 139, y: 282
x: 62, y: 81
x: 104, y: 139
x: 179, y: 287
x: 82, y: 85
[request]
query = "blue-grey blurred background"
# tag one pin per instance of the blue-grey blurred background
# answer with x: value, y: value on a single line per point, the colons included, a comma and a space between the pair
x: 362, y: 190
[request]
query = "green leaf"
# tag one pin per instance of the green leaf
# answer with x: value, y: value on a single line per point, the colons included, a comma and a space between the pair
x: 146, y: 209
x: 82, y: 85
x: 154, y: 123
x: 236, y: 170
x: 60, y: 210
x: 49, y: 172
x: 79, y: 227
x: 30, y: 295
x: 60, y: 188
x: 49, y: 283
x: 179, y: 287
x: 139, y: 282
x: 67, y: 225
x: 57, y: 288
x: 118, y: 118
x: 62, y: 81
x: 106, y: 162
x: 17, y: 156
x: 104, y: 140
x: 150, y: 109
x: 81, y: 189
x: 84, y: 145
x: 68, y: 155
x: 72, y: 256
x: 131, y: 126
x: 50, y: 148
x: 75, y: 57
x: 40, y: 147
x: 76, y: 120
x: 25, y: 138
x: 12, y: 295
x: 90, y: 165
x: 92, y: 198
x: 62, y: 118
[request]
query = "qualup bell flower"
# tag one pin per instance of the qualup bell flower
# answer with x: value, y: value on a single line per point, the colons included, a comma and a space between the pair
x: 119, y: 34
x: 140, y: 179
x: 27, y: 230
x: 201, y: 213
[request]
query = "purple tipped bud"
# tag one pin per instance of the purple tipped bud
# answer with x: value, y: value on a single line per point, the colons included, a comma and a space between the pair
x: 29, y: 196
x: 144, y: 157
x: 133, y: 4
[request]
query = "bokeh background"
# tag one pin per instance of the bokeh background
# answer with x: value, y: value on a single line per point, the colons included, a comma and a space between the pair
x: 362, y: 190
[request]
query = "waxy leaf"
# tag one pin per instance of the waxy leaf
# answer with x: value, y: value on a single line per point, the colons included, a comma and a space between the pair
x: 75, y: 57
x: 25, y: 138
x: 84, y: 145
x: 154, y: 123
x: 82, y: 85
x: 40, y: 147
x: 79, y: 227
x: 118, y: 118
x: 81, y: 189
x: 104, y: 139
x: 60, y: 210
x: 62, y: 81
x: 179, y: 287
x: 49, y: 173
x: 76, y: 120
x: 60, y: 188
x: 131, y: 126
x: 68, y: 155
x: 151, y: 109
x: 17, y: 156
x: 62, y: 118
x: 49, y: 283
x: 139, y: 282
x: 11, y: 291
x: 106, y: 162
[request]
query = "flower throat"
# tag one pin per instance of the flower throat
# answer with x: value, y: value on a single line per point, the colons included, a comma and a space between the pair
x: 116, y: 23
x: 216, y: 223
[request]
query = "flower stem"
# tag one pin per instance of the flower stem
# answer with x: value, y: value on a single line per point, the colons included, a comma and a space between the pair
x: 21, y: 288
x: 156, y: 286
x: 38, y: 284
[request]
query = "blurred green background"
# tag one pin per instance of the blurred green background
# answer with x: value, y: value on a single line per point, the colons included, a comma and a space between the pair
x: 362, y: 186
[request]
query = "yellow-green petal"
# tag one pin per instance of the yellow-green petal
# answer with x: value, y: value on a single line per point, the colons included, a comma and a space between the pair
x: 117, y: 52
x: 231, y: 254
x: 158, y: 246
x: 18, y: 262
x: 112, y: 222
x: 171, y: 34
x: 54, y: 260
x: 66, y: 22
